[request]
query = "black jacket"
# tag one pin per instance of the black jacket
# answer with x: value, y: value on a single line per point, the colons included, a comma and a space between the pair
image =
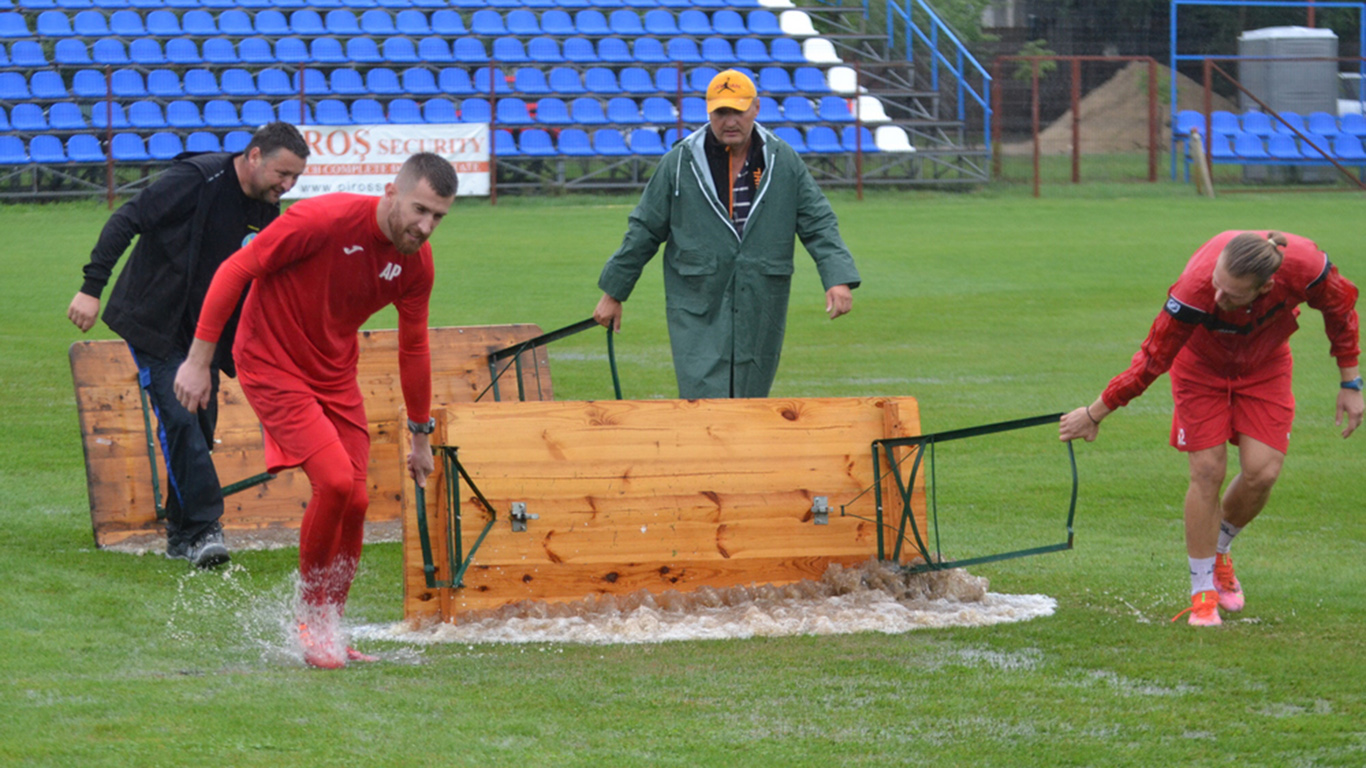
x: 156, y: 300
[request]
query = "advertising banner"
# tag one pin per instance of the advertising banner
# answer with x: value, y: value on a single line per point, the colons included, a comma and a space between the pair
x: 363, y: 158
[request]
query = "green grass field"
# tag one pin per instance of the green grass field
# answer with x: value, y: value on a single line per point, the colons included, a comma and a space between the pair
x: 985, y: 306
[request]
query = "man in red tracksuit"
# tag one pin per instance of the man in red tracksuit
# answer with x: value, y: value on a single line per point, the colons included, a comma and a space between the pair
x: 1223, y: 334
x: 317, y: 274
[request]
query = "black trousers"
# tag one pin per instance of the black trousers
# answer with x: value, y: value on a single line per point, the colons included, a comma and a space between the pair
x: 194, y: 497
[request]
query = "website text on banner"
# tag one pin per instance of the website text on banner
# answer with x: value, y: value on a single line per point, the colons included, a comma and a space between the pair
x: 361, y: 158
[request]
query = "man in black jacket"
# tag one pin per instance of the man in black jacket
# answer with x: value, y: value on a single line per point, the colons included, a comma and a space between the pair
x: 191, y: 219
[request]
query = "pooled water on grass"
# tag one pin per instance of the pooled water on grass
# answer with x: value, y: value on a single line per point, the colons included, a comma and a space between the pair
x: 873, y: 597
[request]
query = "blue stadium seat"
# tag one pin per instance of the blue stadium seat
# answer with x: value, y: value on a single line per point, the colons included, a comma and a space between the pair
x: 53, y: 24
x: 622, y: 110
x: 1221, y: 149
x: 694, y: 110
x: 236, y: 141
x: 646, y: 141
x: 412, y: 23
x: 470, y: 50
x: 326, y: 50
x: 523, y: 23
x: 608, y: 142
x: 400, y: 50
x: 751, y: 50
x: 822, y: 139
x: 591, y: 23
x: 1316, y: 146
x: 661, y: 23
x: 202, y: 141
x: 306, y: 22
x: 237, y: 82
x: 1288, y: 120
x: 146, y: 51
x: 46, y: 84
x: 552, y: 111
x: 683, y: 49
x: 580, y: 50
x: 798, y: 109
x: 112, y: 5
x: 383, y: 81
x: 434, y: 50
x: 164, y: 145
x: 513, y: 111
x: 535, y: 142
x: 163, y: 24
x: 90, y: 24
x: 717, y: 50
x: 70, y: 53
x: 27, y: 118
x: 363, y: 50
x: 66, y: 116
x: 13, y: 87
x: 367, y: 112
x: 340, y: 22
x: 648, y: 50
x: 504, y: 145
x: 530, y: 80
x: 509, y: 50
x: 359, y: 5
x: 557, y: 22
x: 128, y: 83
x: 86, y: 84
x: 164, y: 84
x: 769, y: 111
x: 1280, y: 146
x: 128, y: 148
x: 487, y: 23
x: 447, y: 22
x: 255, y: 50
x: 544, y: 50
x: 235, y: 23
x: 785, y: 50
x: 146, y: 114
x: 481, y: 81
x: 601, y: 80
x: 566, y: 81
x: 271, y: 23
x: 404, y: 112
x: 47, y: 150
x: 291, y: 50
x: 314, y: 82
x: 455, y: 81
x: 29, y: 54
x: 626, y: 23
x: 84, y: 148
x: 183, y: 114
x: 775, y: 81
x: 1257, y: 123
x: 418, y: 81
x: 614, y: 50
x: 1347, y: 147
x: 199, y: 23
x: 729, y: 23
x: 764, y: 24
x: 220, y: 113
x: 12, y: 151
x: 4, y: 120
x: 637, y: 80
x: 439, y: 111
x: 700, y: 77
x: 182, y: 51
x: 666, y: 81
x: 292, y: 111
x: 574, y: 142
x: 475, y: 110
x: 274, y: 82
x: 1248, y: 146
x: 1323, y: 124
x: 201, y: 82
x: 1352, y: 124
x: 641, y: 5
x: 809, y: 80
x: 587, y: 110
x: 834, y: 109
x: 858, y: 138
x: 12, y: 24
x: 572, y: 5
x: 694, y: 22
x: 658, y: 110
x: 607, y: 4
x: 377, y: 23
x: 258, y: 112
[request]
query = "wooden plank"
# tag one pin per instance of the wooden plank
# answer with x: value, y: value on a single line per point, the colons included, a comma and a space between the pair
x: 118, y: 473
x: 657, y: 495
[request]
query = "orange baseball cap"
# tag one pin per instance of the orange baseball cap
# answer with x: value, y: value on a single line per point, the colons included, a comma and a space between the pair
x: 731, y: 88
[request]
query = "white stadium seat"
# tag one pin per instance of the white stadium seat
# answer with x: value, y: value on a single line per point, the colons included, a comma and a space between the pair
x: 891, y: 138
x: 796, y: 24
x: 818, y: 50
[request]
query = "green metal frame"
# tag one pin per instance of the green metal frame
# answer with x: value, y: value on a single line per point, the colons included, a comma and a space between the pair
x: 924, y: 444
x: 516, y: 350
x: 228, y: 490
x: 457, y: 562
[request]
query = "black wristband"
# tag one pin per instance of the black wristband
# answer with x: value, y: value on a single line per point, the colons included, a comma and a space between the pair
x: 1089, y: 416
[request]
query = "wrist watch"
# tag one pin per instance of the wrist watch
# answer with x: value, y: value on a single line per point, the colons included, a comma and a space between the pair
x: 1353, y: 384
x: 424, y: 428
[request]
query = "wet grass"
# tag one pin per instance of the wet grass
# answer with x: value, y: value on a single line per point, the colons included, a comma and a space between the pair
x: 984, y: 306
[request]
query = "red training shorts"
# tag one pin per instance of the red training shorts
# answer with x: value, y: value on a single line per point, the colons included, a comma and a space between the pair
x: 300, y: 419
x: 1211, y: 410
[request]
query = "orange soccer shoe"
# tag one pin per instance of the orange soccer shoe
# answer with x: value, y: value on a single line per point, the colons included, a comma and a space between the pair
x: 1226, y: 584
x: 1204, y: 610
x: 354, y: 655
x: 320, y: 651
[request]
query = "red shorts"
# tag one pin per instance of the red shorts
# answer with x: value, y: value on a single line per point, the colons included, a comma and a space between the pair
x: 300, y: 419
x: 1213, y: 410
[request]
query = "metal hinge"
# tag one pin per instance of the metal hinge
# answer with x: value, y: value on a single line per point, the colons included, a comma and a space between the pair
x: 820, y: 510
x: 519, y: 516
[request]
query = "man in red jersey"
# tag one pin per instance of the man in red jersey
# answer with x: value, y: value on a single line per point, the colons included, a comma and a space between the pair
x: 1223, y: 334
x: 317, y: 274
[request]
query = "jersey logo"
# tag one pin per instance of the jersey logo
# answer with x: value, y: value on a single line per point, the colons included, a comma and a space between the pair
x: 350, y: 249
x: 250, y: 236
x: 391, y: 271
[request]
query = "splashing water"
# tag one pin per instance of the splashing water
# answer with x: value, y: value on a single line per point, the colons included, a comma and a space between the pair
x: 873, y: 597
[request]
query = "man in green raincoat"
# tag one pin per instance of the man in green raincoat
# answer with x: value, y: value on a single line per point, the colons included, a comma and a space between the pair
x: 726, y: 202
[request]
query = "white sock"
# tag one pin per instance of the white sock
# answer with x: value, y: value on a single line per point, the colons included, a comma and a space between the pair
x: 1202, y: 574
x: 1227, y: 531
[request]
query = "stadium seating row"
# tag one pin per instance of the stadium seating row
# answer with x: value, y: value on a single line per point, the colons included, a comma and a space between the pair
x: 1264, y: 125
x: 1283, y: 148
x: 185, y: 5
x: 533, y: 142
x: 184, y: 51
x: 379, y: 22
x: 512, y: 111
x: 165, y: 84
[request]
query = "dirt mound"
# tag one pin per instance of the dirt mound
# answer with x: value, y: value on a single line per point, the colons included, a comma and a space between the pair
x: 1114, y: 116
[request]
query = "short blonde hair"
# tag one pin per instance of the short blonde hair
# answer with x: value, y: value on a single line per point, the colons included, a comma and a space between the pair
x: 1250, y: 255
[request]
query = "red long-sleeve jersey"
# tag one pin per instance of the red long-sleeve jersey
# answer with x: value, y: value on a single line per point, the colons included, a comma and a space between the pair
x: 1191, y: 332
x: 320, y: 271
